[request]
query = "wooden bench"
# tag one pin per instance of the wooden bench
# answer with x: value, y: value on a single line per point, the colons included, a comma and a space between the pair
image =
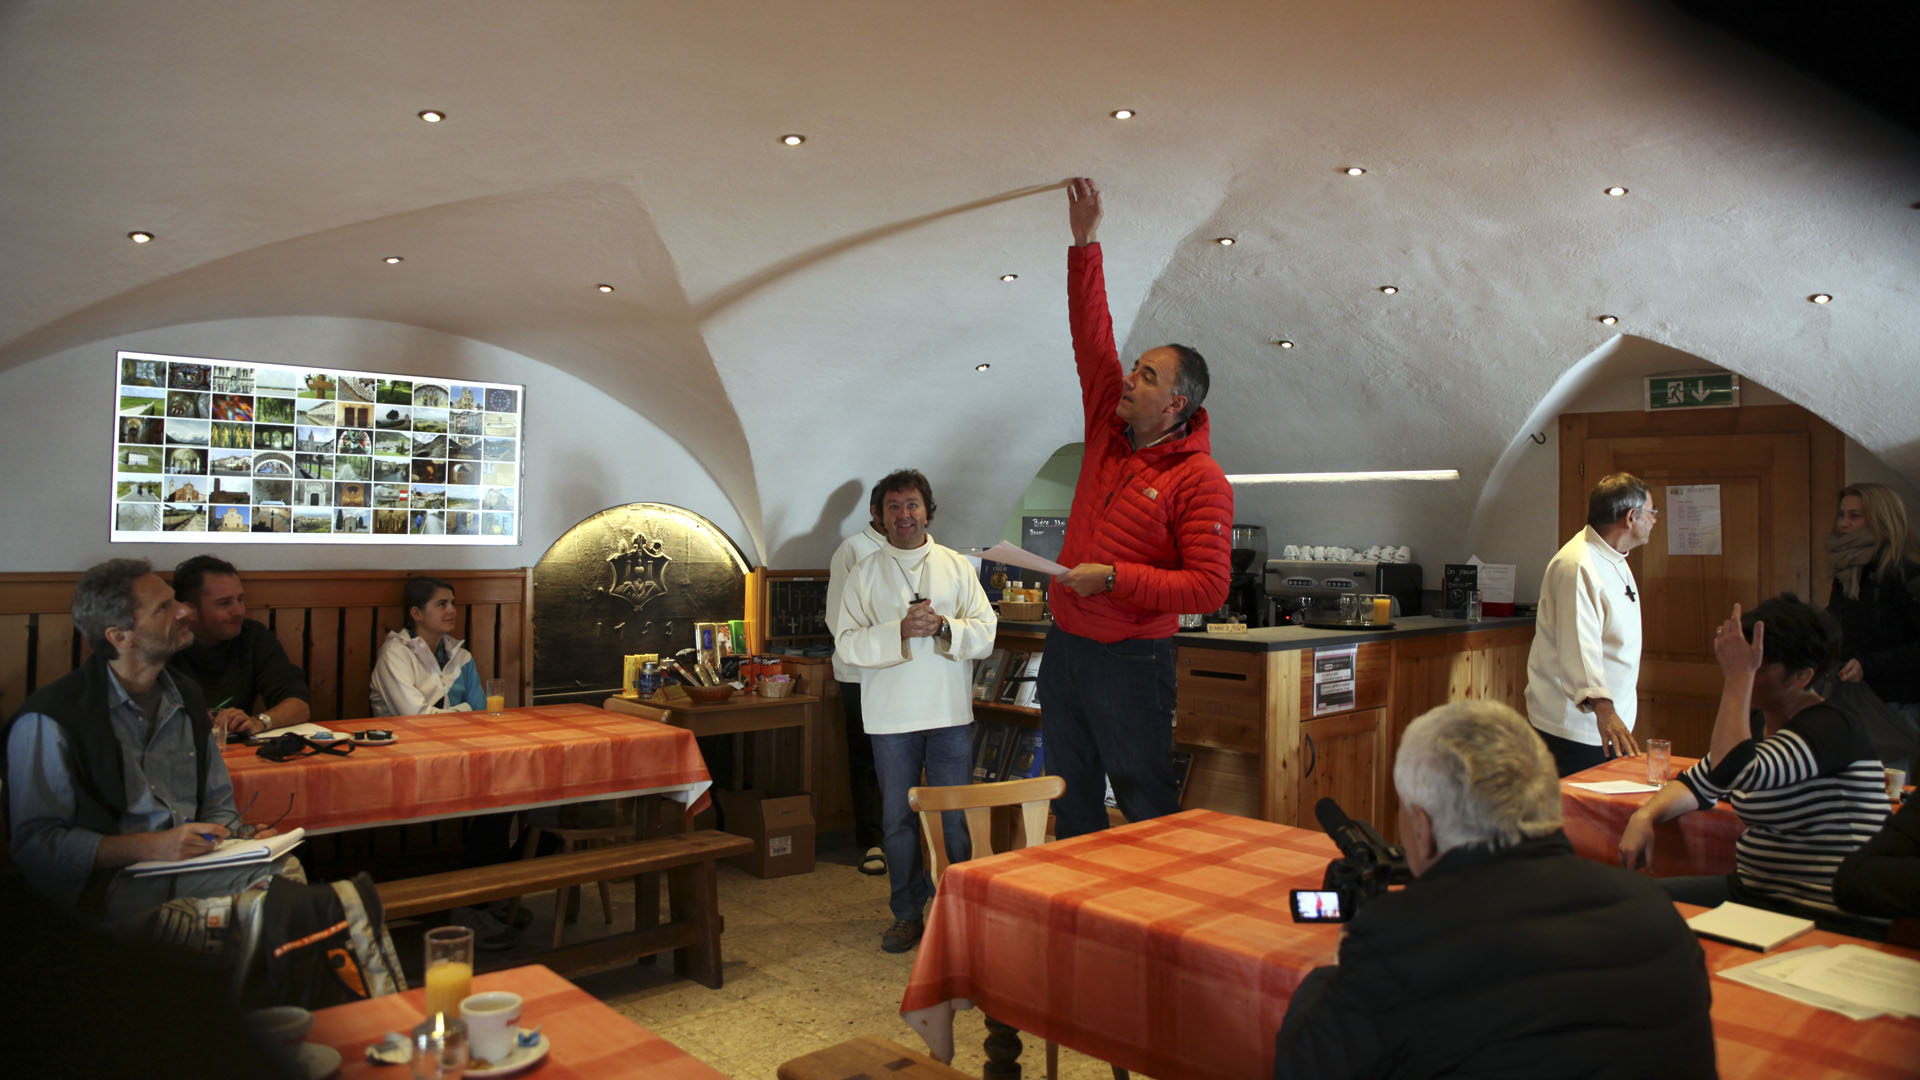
x: 693, y: 929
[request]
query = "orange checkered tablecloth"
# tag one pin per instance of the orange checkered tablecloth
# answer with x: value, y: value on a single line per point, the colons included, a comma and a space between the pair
x: 1164, y: 947
x: 458, y: 764
x: 589, y: 1039
x: 1759, y: 1034
x: 1697, y: 843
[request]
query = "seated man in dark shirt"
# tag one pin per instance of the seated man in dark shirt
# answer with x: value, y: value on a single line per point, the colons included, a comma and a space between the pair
x: 1508, y: 955
x: 248, y: 682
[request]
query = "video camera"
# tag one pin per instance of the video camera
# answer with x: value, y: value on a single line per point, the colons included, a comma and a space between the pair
x: 1366, y: 866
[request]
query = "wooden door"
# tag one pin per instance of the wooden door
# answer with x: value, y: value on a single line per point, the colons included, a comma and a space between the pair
x: 1777, y: 470
x: 1341, y: 757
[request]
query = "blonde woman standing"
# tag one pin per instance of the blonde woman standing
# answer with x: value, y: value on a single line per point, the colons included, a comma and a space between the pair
x: 1876, y: 595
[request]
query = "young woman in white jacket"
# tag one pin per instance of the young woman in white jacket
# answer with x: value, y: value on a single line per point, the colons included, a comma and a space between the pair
x: 424, y: 669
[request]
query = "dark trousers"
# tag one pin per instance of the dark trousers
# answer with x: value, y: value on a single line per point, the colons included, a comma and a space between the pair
x: 860, y: 774
x: 1570, y: 757
x: 1106, y: 714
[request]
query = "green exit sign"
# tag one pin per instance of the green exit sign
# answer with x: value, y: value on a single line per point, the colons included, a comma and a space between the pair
x: 1707, y: 390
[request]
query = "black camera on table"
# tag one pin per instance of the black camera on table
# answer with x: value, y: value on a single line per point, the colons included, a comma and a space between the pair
x: 1366, y: 866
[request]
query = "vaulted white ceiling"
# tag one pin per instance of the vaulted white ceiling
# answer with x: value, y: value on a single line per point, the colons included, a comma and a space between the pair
x: 804, y: 317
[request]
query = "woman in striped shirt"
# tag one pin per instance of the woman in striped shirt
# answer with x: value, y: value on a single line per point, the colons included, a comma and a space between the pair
x: 1810, y: 790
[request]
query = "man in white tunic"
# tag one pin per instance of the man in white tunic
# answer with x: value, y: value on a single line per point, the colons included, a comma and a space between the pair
x: 913, y: 617
x: 862, y: 782
x: 1583, y: 671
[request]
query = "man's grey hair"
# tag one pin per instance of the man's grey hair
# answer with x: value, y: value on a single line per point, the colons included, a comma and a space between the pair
x: 103, y: 600
x: 1481, y: 773
x: 1191, y: 381
x: 1615, y: 495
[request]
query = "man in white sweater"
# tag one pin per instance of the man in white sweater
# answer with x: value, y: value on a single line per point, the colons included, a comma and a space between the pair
x: 865, y: 787
x: 1583, y: 671
x: 912, y: 617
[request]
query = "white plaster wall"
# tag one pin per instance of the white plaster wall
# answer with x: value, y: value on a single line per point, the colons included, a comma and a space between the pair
x: 584, y: 451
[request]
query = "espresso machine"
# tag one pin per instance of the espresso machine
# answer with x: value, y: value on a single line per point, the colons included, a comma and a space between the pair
x: 1308, y: 591
x: 1246, y: 592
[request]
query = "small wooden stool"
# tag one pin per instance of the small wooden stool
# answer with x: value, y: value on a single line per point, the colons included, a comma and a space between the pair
x: 868, y: 1057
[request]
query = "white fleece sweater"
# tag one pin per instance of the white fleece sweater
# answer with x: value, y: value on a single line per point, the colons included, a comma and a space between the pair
x: 921, y: 683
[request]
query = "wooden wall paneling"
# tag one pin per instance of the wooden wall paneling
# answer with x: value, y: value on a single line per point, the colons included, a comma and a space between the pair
x: 1827, y: 454
x: 1372, y: 674
x: 1220, y: 701
x: 1279, y: 758
x: 290, y: 626
x: 54, y: 647
x: 482, y: 636
x: 16, y: 634
x: 323, y: 663
x: 1223, y: 780
x: 516, y: 644
x: 356, y: 655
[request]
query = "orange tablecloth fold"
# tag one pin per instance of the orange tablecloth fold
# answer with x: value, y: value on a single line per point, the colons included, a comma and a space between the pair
x: 456, y: 764
x: 1698, y: 843
x: 589, y: 1039
x: 1164, y: 947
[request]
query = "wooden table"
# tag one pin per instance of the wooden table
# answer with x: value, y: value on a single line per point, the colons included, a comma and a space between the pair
x: 1700, y: 842
x: 739, y: 716
x: 1166, y: 947
x: 589, y: 1039
x: 460, y: 764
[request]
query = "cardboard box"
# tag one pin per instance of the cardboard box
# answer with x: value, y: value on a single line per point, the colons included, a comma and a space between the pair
x: 781, y: 828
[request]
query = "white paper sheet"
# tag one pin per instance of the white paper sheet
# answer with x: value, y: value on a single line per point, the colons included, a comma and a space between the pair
x: 1014, y: 555
x: 1749, y: 925
x: 1775, y: 973
x: 1867, y: 977
x: 1692, y: 519
x: 1613, y: 787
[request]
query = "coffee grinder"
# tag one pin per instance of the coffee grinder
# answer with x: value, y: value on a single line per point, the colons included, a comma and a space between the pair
x: 1246, y: 588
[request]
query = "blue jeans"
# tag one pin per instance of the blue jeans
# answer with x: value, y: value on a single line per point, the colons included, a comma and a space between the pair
x: 947, y: 756
x: 1106, y: 713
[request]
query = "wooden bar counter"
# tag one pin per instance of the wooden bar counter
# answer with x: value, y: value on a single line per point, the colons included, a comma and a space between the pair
x: 1246, y: 710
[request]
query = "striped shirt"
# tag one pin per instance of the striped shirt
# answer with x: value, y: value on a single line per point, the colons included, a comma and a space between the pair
x: 1810, y: 795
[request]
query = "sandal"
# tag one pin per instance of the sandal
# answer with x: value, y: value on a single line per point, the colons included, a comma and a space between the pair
x: 874, y: 863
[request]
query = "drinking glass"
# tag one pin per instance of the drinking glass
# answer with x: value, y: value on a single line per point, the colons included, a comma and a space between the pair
x: 1349, y: 608
x: 1659, y: 755
x: 449, y: 969
x: 496, y: 696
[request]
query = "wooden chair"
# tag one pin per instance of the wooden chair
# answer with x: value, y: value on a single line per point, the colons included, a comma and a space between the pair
x: 580, y: 828
x: 865, y: 1058
x: 978, y: 801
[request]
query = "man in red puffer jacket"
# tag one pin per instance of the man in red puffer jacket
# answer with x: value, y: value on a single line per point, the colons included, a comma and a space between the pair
x: 1148, y: 538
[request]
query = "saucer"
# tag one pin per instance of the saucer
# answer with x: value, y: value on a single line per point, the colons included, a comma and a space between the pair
x: 520, y: 1057
x: 318, y: 1062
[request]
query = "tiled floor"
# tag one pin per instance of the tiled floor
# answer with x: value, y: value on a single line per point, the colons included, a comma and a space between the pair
x: 803, y: 970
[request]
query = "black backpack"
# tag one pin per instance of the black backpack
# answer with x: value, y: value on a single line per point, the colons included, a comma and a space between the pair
x: 315, y: 946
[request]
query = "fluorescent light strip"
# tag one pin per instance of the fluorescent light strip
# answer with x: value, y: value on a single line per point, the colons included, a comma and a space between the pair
x: 1341, y: 477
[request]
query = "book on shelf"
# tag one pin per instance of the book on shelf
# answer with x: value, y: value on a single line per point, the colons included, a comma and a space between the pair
x: 1013, y: 677
x: 986, y: 674
x: 1028, y: 758
x: 232, y: 851
x: 1029, y: 693
x: 992, y: 745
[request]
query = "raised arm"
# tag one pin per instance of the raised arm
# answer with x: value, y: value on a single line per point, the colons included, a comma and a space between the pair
x: 1094, y: 352
x: 1084, y: 210
x: 1739, y: 659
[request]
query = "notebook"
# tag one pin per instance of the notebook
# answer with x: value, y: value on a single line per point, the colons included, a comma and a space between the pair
x: 232, y: 851
x: 1738, y: 924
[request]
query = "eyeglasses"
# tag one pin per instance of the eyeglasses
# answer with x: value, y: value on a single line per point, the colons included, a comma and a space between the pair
x: 1648, y: 509
x: 248, y: 832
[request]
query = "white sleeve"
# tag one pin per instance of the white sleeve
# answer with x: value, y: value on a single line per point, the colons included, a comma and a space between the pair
x: 1583, y: 624
x: 975, y: 624
x: 406, y: 687
x: 862, y: 637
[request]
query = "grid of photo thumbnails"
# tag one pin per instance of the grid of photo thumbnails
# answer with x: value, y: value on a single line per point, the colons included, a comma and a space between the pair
x: 208, y: 446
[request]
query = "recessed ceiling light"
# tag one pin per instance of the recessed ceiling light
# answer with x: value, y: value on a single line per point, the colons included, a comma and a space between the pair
x: 1389, y: 289
x: 1355, y: 170
x: 1821, y: 298
x: 1009, y: 277
x: 1283, y: 343
x: 1609, y: 320
x: 392, y: 259
x: 432, y: 116
x: 1616, y: 191
x: 1223, y: 241
x: 1122, y: 114
x: 604, y: 287
x: 982, y: 367
x: 792, y: 139
x: 139, y: 237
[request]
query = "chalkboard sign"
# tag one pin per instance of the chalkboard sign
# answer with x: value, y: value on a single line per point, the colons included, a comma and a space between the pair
x: 1044, y: 536
x: 1461, y: 579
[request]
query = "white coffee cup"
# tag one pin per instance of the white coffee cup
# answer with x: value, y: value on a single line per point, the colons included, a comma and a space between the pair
x: 1896, y: 781
x: 493, y: 1024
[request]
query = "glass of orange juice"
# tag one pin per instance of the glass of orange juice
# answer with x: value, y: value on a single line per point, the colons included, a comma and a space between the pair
x: 449, y: 969
x: 496, y: 696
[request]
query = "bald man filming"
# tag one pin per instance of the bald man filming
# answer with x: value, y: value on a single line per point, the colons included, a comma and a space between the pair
x: 1148, y: 538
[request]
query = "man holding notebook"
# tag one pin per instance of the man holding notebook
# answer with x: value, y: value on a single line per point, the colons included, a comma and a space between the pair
x: 117, y: 763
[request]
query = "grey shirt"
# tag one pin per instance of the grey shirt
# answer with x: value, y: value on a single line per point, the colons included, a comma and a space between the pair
x: 158, y: 771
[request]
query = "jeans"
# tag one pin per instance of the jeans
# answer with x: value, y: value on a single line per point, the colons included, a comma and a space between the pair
x: 947, y: 756
x: 1106, y: 713
x: 860, y: 774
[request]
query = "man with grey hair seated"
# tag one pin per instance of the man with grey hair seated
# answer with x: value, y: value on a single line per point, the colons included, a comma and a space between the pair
x: 1508, y: 954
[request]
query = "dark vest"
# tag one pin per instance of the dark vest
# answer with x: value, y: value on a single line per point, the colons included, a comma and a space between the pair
x: 79, y: 703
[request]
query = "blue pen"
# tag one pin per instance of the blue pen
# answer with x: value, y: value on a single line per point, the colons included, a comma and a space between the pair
x: 210, y: 838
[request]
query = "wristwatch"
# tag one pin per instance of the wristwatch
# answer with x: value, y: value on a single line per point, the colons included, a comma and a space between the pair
x: 1110, y: 581
x: 266, y: 721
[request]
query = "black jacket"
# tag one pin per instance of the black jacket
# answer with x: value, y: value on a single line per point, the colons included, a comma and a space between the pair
x: 1883, y: 877
x: 1530, y: 962
x: 1881, y: 629
x: 247, y: 667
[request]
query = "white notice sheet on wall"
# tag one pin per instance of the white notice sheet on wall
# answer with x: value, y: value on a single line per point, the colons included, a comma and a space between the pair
x: 1692, y: 519
x: 1333, y: 679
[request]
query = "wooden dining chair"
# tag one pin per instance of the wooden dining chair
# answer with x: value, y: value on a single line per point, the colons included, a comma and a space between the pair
x: 979, y: 801
x: 580, y: 826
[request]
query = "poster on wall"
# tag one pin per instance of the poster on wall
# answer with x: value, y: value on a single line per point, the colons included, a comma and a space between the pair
x: 211, y: 450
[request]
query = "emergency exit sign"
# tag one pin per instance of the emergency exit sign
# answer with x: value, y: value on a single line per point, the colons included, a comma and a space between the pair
x: 1714, y: 390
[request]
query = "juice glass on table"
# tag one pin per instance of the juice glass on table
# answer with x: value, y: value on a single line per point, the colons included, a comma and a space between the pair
x: 449, y: 969
x: 496, y: 696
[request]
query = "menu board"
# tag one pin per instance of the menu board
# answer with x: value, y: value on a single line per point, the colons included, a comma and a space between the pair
x: 212, y: 450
